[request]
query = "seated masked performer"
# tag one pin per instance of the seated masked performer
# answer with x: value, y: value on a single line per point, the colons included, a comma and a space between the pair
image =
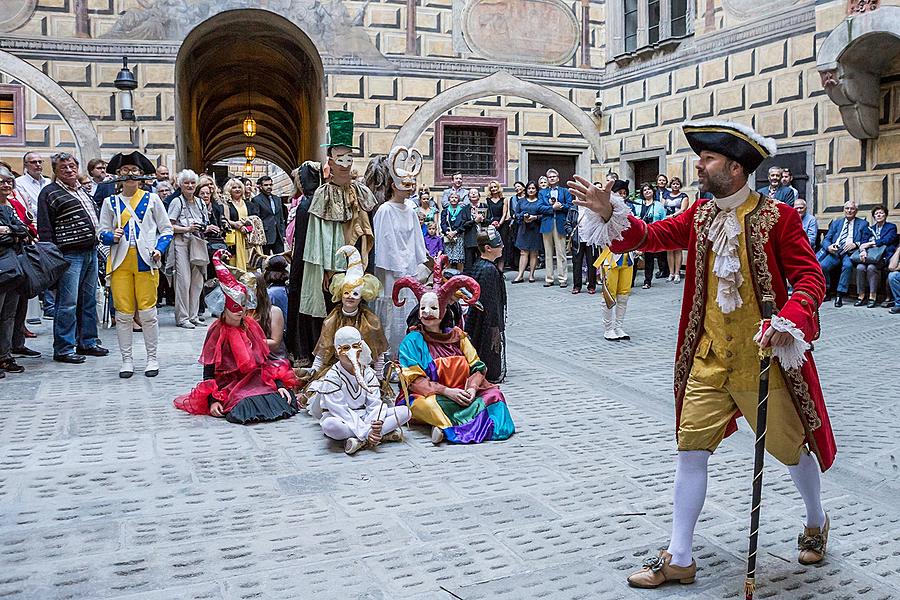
x: 486, y: 325
x: 347, y: 400
x: 135, y: 225
x: 399, y: 244
x: 441, y: 369
x: 350, y: 289
x: 241, y: 382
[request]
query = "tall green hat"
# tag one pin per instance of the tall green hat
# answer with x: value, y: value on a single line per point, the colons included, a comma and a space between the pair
x: 340, y: 128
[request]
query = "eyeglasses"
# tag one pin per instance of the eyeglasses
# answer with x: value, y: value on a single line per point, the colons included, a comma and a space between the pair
x: 35, y: 162
x: 8, y: 182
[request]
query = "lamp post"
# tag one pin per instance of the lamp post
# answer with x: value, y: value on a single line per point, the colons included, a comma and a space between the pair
x: 125, y: 82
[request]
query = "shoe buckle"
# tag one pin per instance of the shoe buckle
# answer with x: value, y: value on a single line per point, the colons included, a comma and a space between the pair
x: 814, y: 543
x: 654, y: 563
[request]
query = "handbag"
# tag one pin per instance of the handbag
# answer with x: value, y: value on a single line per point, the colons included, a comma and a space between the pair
x: 42, y: 265
x: 257, y: 235
x: 197, y: 251
x: 874, y: 256
x: 10, y: 270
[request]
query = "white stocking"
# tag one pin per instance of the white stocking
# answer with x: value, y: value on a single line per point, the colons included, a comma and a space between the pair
x: 690, y: 492
x: 805, y: 475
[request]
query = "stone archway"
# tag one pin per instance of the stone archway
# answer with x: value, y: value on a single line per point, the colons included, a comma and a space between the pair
x: 248, y: 58
x: 500, y: 83
x: 87, y: 144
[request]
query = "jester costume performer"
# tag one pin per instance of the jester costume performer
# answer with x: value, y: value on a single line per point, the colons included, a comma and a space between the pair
x: 442, y: 373
x: 742, y: 248
x: 347, y: 400
x: 338, y: 216
x: 399, y: 244
x: 240, y: 380
x: 136, y: 227
x: 350, y: 290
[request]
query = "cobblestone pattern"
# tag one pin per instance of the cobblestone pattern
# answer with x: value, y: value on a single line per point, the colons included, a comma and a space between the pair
x: 107, y: 492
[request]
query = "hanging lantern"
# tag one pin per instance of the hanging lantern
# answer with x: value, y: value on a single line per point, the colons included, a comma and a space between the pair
x: 249, y: 152
x: 249, y: 125
x: 248, y: 168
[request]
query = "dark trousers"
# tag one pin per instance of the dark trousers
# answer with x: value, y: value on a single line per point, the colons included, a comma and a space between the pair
x: 472, y: 255
x: 649, y: 257
x: 276, y: 248
x: 584, y: 253
x: 18, y: 337
x: 9, y: 304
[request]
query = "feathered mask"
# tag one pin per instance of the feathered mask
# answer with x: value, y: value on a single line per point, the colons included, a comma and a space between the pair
x: 354, y: 277
x: 446, y: 292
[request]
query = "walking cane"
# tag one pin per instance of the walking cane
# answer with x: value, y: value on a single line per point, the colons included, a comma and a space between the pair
x: 765, y: 361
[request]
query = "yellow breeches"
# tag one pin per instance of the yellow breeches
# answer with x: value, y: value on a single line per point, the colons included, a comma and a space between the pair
x: 618, y: 280
x: 425, y: 409
x: 133, y: 290
x: 712, y: 397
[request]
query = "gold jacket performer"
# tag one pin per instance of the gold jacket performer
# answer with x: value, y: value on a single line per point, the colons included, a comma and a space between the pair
x: 741, y: 248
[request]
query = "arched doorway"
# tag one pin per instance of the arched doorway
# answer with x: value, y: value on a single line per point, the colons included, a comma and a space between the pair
x: 248, y: 58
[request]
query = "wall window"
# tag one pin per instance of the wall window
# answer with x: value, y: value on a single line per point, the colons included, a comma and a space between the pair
x: 12, y: 115
x: 637, y: 24
x: 474, y: 146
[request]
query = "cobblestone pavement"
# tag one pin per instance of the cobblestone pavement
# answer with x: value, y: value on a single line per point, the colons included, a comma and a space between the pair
x: 108, y: 492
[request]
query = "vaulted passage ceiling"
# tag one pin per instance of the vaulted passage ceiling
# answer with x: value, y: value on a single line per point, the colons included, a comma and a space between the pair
x: 248, y: 59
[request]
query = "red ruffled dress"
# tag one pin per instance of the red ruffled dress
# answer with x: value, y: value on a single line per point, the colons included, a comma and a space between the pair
x: 238, y: 373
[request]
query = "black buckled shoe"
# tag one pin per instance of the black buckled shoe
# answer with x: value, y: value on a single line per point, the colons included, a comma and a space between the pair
x: 97, y: 350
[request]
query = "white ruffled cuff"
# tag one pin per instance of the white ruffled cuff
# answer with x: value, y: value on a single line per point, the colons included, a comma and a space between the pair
x: 793, y: 355
x: 595, y: 231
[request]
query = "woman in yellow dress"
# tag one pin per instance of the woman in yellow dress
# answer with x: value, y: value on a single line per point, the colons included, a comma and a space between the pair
x: 237, y: 213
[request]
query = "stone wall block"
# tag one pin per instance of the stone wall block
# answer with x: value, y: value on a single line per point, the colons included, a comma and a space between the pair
x: 114, y: 136
x: 392, y: 42
x: 713, y: 72
x: 772, y: 123
x: 886, y: 150
x: 659, y: 86
x: 71, y: 74
x: 673, y: 110
x: 788, y: 86
x: 37, y: 135
x: 832, y: 194
x: 772, y: 57
x: 418, y: 90
x: 383, y: 16
x: 802, y: 49
x: 613, y: 149
x: 831, y: 117
x: 742, y: 64
x: 38, y: 109
x: 661, y: 138
x: 347, y: 86
x: 98, y: 104
x: 824, y: 152
x: 621, y: 122
x: 612, y: 98
x: 803, y: 120
x: 849, y: 154
x: 646, y: 116
x: 382, y: 88
x: 634, y: 143
x: 156, y: 76
x: 676, y: 166
x: 396, y: 114
x: 730, y: 99
x: 700, y: 104
x: 439, y: 48
x: 759, y: 92
x: 870, y: 189
x: 366, y: 115
x: 538, y: 124
x: 686, y: 79
x: 635, y: 92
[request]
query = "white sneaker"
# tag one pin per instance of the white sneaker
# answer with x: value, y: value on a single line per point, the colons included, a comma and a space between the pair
x: 197, y: 321
x: 394, y: 436
x: 437, y: 435
x: 353, y: 445
x: 611, y: 335
x: 621, y: 335
x: 127, y: 369
x: 187, y: 325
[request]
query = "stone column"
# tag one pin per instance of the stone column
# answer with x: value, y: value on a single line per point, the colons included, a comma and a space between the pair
x: 585, y: 34
x: 411, y: 27
x: 82, y: 20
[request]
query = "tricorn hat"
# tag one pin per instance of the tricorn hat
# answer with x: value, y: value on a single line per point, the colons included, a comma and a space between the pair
x: 340, y: 129
x: 133, y: 158
x: 618, y: 185
x: 733, y: 140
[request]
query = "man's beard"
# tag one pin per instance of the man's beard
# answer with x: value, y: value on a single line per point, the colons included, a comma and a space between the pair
x: 718, y: 184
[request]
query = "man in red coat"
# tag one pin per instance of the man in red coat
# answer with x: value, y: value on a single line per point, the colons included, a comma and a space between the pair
x: 742, y: 247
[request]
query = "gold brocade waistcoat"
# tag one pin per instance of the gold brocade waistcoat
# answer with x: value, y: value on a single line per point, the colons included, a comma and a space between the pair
x: 729, y: 337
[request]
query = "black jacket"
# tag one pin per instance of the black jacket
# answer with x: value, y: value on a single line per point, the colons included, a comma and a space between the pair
x: 273, y: 223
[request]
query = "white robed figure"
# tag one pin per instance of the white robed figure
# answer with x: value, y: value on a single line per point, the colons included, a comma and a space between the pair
x: 399, y: 243
x: 347, y: 399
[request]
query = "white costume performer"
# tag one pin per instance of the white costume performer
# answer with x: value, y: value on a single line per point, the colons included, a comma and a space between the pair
x: 347, y: 401
x: 399, y: 243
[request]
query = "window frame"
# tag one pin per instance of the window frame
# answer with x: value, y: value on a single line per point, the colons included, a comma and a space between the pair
x: 616, y: 31
x: 17, y: 91
x: 501, y: 161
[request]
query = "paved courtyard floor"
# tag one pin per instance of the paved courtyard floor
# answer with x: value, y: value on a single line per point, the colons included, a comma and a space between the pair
x: 108, y: 492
